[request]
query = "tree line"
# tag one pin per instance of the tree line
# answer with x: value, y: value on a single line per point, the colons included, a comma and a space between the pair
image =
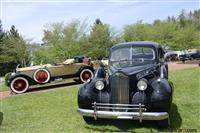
x: 62, y: 41
x: 13, y: 50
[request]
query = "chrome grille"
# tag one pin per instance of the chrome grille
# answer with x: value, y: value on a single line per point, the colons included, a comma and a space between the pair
x: 119, y: 84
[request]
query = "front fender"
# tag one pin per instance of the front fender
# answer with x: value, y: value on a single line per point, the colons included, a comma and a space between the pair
x: 30, y: 80
x: 161, y: 96
x: 88, y: 94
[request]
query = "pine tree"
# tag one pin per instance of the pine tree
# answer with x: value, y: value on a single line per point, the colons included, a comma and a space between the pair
x: 100, y: 39
x: 14, y: 32
x: 2, y: 33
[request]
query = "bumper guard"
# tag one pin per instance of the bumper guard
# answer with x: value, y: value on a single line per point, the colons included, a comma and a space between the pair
x: 122, y: 111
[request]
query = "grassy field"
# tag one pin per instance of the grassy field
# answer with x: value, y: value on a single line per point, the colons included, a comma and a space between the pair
x: 3, y: 87
x: 55, y: 111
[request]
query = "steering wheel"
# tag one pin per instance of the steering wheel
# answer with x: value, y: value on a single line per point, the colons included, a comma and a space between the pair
x: 124, y: 62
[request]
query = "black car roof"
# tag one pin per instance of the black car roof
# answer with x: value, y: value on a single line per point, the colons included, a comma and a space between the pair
x: 136, y: 43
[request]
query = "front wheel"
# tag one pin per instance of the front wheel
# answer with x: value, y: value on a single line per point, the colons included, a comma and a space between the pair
x: 164, y: 123
x: 85, y: 75
x: 19, y: 85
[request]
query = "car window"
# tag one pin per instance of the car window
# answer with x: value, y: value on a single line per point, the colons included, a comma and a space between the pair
x: 121, y: 54
x: 143, y: 52
x: 132, y: 56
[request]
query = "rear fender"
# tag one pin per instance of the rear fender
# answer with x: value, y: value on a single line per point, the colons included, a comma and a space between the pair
x: 84, y: 67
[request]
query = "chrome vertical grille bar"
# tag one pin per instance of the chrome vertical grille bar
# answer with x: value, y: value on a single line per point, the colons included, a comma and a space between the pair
x: 119, y: 88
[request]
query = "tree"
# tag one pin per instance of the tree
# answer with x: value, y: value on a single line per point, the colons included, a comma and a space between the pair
x: 178, y: 33
x: 100, y: 40
x: 64, y: 41
x: 14, y: 50
x: 2, y: 33
x: 14, y: 32
x: 137, y: 32
x: 164, y: 33
x: 187, y: 37
x: 195, y: 18
x: 182, y: 18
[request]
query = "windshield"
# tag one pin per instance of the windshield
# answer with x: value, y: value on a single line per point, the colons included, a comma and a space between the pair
x: 132, y: 56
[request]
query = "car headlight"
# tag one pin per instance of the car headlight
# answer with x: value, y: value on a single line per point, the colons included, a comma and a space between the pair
x: 99, y: 85
x: 142, y: 84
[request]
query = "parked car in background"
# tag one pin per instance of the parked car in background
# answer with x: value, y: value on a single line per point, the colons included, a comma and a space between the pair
x: 171, y: 56
x: 184, y: 57
x: 190, y: 54
x: 136, y: 87
x: 78, y: 67
x: 195, y: 54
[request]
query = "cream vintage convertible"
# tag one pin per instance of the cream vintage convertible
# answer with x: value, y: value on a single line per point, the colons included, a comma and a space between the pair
x: 79, y: 67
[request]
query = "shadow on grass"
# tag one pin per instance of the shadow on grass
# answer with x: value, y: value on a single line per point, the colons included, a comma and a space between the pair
x: 175, y: 118
x: 1, y: 118
x: 55, y: 86
x: 122, y: 125
x: 130, y: 125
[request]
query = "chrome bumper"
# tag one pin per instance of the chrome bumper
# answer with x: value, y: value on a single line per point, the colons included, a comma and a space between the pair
x: 124, y: 115
x: 138, y: 114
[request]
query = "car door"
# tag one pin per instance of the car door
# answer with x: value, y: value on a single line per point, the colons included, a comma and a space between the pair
x: 64, y: 69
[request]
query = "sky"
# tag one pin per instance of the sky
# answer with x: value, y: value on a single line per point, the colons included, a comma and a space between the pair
x: 31, y: 16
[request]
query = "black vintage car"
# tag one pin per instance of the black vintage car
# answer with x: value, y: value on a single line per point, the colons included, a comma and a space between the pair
x: 136, y: 86
x: 195, y: 54
x: 184, y: 57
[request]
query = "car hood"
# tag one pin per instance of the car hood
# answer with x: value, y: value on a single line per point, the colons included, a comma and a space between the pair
x: 33, y: 67
x: 136, y: 69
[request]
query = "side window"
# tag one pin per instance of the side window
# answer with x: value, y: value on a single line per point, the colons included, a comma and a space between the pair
x: 143, y: 52
x: 137, y: 51
x: 149, y: 52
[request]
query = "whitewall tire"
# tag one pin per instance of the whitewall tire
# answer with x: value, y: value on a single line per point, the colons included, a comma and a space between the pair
x: 41, y: 76
x: 85, y: 75
x: 19, y: 85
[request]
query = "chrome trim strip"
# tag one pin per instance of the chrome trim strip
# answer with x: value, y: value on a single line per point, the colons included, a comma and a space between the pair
x: 110, y: 104
x: 119, y: 108
x: 124, y: 115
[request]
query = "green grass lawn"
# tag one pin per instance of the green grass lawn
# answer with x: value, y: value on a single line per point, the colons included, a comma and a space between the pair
x: 3, y: 87
x: 55, y: 111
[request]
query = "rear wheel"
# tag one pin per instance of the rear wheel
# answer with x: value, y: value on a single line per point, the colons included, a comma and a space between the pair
x: 19, y: 85
x: 85, y: 75
x: 41, y: 76
x: 164, y: 123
